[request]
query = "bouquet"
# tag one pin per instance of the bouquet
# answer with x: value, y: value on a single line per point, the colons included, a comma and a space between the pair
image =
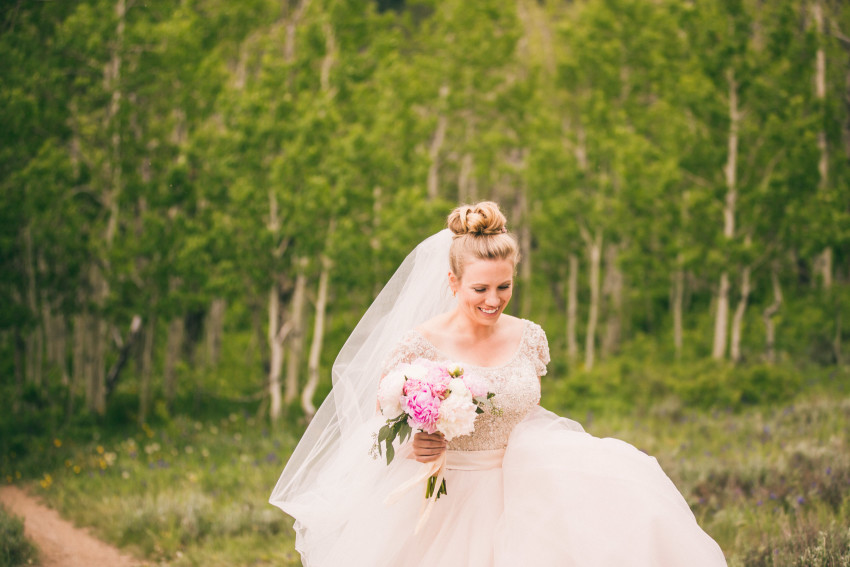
x: 430, y: 397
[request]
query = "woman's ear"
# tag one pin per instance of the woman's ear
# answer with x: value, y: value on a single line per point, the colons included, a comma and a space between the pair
x: 453, y: 282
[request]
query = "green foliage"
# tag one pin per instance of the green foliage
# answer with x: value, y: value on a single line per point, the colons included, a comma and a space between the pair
x: 643, y: 384
x: 180, y: 153
x: 15, y: 548
x: 188, y: 152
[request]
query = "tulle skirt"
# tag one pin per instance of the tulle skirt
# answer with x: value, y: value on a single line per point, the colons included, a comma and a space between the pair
x: 561, y: 497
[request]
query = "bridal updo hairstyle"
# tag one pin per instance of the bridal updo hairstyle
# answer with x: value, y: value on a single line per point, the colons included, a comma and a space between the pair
x: 479, y: 233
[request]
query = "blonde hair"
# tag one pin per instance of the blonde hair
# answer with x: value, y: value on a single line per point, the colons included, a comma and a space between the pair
x: 479, y: 233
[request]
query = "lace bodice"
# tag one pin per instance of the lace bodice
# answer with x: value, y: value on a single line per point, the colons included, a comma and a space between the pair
x: 515, y: 384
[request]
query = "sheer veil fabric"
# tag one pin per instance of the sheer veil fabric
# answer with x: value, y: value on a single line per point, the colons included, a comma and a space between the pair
x: 418, y: 291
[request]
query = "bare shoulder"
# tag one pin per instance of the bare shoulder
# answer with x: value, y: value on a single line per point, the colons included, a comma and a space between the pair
x: 512, y: 326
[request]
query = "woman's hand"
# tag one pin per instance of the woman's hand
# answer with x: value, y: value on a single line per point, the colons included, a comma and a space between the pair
x: 428, y: 447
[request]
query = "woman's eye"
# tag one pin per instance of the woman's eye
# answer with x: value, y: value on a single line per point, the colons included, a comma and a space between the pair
x: 504, y: 287
x: 478, y: 290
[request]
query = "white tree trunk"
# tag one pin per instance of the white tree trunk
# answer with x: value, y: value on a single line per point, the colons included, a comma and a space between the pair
x: 435, y: 147
x: 316, y: 344
x: 112, y: 78
x: 98, y: 400
x: 277, y: 338
x: 19, y: 356
x: 721, y: 318
x: 466, y: 186
x: 613, y: 289
x: 296, y: 341
x: 375, y: 241
x: 594, y: 249
x: 768, y: 314
x: 525, y: 249
x: 78, y: 364
x: 572, y: 309
x: 146, y: 370
x: 721, y: 321
x: 214, y: 330
x: 55, y: 335
x: 677, y: 300
x: 35, y: 340
x: 289, y: 43
x: 825, y: 260
x: 176, y: 330
x: 738, y: 318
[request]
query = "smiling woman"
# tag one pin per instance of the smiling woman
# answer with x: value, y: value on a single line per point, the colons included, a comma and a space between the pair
x: 482, y: 260
x: 526, y: 487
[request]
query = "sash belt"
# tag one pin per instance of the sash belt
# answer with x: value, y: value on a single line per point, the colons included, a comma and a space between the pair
x: 474, y: 460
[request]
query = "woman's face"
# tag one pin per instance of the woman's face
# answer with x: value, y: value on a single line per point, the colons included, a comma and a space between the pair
x: 484, y: 290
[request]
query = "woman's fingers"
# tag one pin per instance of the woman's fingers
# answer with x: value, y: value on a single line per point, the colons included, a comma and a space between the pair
x: 428, y: 447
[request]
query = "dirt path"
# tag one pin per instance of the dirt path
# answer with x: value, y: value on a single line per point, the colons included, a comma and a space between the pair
x: 61, y: 544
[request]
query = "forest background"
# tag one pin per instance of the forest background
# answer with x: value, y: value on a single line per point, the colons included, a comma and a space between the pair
x: 201, y: 198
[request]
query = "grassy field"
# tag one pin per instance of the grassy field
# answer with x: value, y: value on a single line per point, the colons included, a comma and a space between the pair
x: 770, y: 484
x: 15, y: 548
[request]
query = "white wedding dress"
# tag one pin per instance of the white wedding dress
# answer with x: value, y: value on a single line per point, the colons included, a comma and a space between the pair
x: 561, y: 497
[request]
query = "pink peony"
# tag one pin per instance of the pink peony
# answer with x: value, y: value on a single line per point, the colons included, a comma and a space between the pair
x: 476, y: 386
x: 423, y: 409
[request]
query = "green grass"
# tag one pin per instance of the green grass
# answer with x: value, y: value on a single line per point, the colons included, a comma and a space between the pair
x: 771, y: 483
x: 187, y: 492
x: 15, y: 548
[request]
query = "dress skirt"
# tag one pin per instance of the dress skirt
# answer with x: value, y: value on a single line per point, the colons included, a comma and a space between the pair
x: 560, y: 498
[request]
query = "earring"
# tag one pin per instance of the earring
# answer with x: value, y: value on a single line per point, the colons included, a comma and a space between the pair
x: 454, y: 293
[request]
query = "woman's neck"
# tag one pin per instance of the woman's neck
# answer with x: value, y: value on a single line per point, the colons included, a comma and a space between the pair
x: 465, y: 326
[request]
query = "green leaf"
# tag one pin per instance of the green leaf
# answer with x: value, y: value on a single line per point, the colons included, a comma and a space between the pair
x: 405, y: 432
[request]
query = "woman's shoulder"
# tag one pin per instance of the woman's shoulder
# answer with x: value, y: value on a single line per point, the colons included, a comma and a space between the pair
x: 533, y: 330
x: 433, y: 326
x: 408, y: 348
x: 536, y: 345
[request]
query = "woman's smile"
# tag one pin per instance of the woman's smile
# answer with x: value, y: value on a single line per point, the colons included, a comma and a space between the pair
x: 484, y: 289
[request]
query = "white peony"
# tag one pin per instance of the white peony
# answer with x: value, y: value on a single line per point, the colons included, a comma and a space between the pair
x: 457, y: 416
x: 415, y: 371
x: 458, y: 388
x: 390, y: 393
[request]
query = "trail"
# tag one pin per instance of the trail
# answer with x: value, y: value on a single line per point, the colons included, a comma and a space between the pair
x: 61, y: 544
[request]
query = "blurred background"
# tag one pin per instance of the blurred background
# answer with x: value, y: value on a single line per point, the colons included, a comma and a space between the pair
x: 201, y: 198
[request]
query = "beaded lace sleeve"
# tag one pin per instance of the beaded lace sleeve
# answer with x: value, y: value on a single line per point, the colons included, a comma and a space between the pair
x: 538, y: 348
x: 408, y: 349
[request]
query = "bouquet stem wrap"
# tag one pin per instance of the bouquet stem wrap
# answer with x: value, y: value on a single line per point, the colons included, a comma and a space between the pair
x: 434, y: 468
x: 456, y: 460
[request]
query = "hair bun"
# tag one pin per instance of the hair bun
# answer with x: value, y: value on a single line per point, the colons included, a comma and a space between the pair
x: 480, y: 219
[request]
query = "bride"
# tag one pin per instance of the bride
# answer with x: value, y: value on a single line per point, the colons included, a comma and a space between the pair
x: 526, y: 488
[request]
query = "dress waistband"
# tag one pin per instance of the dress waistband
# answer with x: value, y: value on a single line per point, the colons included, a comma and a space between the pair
x: 474, y: 460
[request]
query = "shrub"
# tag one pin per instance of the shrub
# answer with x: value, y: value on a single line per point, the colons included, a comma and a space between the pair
x: 15, y: 548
